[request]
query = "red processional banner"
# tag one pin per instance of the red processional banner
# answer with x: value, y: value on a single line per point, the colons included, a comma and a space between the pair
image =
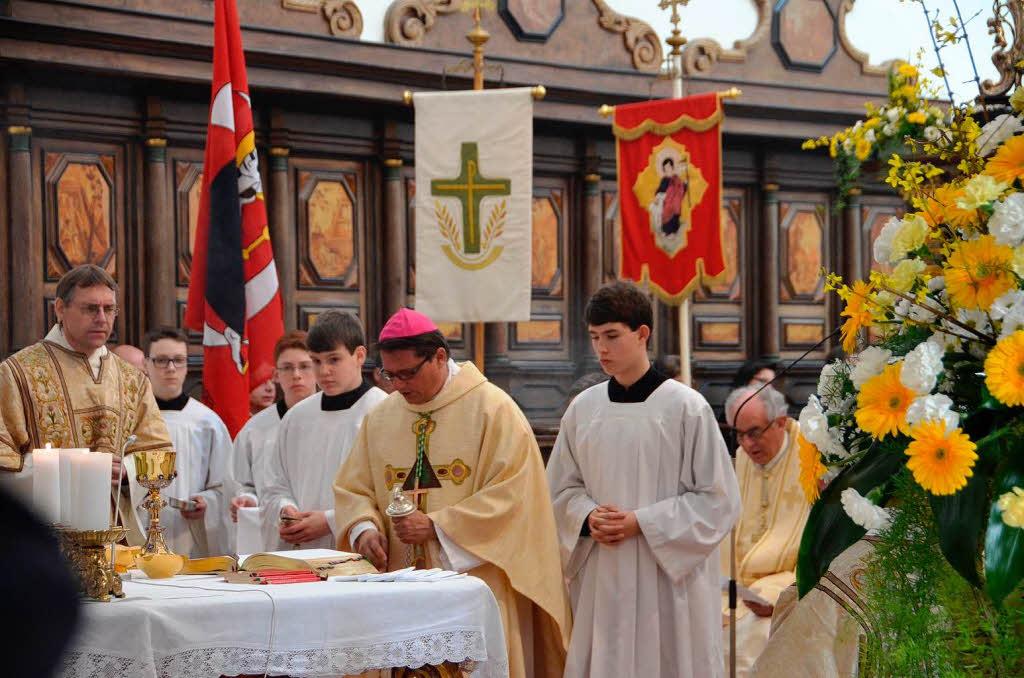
x: 670, y: 193
x: 233, y: 296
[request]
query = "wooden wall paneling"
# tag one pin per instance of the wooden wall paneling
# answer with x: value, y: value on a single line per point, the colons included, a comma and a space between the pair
x: 282, y: 232
x: 330, y: 216
x: 769, y: 280
x: 158, y: 237
x: 83, y: 213
x: 6, y: 306
x: 717, y: 327
x: 850, y: 251
x: 875, y: 211
x: 27, y: 324
x: 184, y: 178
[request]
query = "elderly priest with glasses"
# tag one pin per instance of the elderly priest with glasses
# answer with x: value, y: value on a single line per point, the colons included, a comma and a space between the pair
x: 774, y: 512
x: 70, y: 391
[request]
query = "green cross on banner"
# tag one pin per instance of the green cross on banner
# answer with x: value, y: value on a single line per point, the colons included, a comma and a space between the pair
x: 470, y: 187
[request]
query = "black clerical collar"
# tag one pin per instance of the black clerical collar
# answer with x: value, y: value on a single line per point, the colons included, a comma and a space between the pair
x: 638, y: 392
x: 282, y: 407
x: 174, y: 403
x: 343, y: 401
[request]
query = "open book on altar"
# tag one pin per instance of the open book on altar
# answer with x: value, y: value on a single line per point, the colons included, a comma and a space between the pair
x: 326, y: 562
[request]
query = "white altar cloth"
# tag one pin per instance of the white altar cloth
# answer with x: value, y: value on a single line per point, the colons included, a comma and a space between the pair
x: 203, y: 627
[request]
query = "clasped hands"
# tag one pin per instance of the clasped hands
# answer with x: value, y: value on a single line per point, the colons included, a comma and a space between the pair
x: 610, y: 526
x: 306, y: 526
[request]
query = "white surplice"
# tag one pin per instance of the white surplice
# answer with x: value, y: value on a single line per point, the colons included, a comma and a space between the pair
x: 311, y: 444
x: 203, y: 447
x: 252, y: 444
x: 648, y: 606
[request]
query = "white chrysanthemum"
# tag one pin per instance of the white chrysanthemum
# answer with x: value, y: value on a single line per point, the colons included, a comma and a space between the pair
x: 977, y: 319
x: 905, y: 274
x: 932, y: 134
x: 848, y: 145
x: 914, y: 312
x: 882, y: 247
x: 869, y: 136
x: 889, y: 129
x: 830, y: 386
x: 869, y: 363
x: 1005, y: 303
x: 911, y: 235
x: 1012, y: 321
x: 863, y: 512
x: 1007, y: 221
x: 998, y: 130
x: 921, y: 368
x: 814, y: 423
x: 937, y: 283
x: 933, y: 408
x: 894, y: 113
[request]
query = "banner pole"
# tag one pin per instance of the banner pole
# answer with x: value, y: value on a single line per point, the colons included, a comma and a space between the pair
x: 478, y: 37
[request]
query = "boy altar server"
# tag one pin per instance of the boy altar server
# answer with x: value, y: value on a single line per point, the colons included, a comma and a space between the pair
x: 485, y: 509
x: 643, y: 493
x: 203, y: 447
x: 293, y: 371
x: 315, y: 437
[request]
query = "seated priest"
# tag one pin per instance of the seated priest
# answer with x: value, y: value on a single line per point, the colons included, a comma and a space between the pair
x: 315, y: 436
x: 69, y: 391
x: 293, y: 372
x: 466, y: 456
x: 774, y: 512
x: 203, y: 447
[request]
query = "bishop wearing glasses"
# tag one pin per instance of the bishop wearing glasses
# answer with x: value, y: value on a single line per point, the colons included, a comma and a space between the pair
x: 773, y: 516
x: 462, y: 450
x: 70, y: 391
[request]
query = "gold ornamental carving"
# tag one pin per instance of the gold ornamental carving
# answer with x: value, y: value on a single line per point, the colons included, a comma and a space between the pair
x: 640, y: 38
x: 407, y: 21
x: 1007, y: 17
x: 344, y: 20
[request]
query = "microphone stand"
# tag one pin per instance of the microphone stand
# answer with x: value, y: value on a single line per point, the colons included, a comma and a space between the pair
x: 117, y: 491
x: 733, y: 446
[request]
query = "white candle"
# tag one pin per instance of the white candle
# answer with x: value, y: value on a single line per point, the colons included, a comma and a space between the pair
x: 66, y: 508
x: 90, y: 490
x: 46, y: 484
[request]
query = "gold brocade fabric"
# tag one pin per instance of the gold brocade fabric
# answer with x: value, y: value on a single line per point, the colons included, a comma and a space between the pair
x: 767, y: 540
x: 500, y: 511
x: 48, y: 394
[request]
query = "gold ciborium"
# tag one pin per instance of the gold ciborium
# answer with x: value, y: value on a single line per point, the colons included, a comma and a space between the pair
x: 155, y: 470
x: 86, y: 550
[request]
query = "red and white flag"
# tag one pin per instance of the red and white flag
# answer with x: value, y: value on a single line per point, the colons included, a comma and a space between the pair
x: 233, y: 296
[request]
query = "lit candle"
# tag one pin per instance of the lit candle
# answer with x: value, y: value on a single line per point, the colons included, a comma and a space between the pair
x: 90, y: 490
x: 46, y: 483
x: 66, y: 508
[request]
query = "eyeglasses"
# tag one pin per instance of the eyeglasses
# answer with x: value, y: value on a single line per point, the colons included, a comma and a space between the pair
x: 93, y: 310
x: 163, y: 363
x: 288, y: 370
x: 404, y: 375
x: 754, y: 434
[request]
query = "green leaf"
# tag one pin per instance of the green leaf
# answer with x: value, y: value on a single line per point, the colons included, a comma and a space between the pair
x: 960, y: 518
x: 1004, y: 545
x: 829, y: 531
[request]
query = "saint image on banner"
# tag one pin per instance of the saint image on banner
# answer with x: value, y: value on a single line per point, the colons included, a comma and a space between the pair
x: 670, y: 187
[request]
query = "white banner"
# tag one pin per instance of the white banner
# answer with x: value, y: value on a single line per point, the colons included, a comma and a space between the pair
x: 474, y: 189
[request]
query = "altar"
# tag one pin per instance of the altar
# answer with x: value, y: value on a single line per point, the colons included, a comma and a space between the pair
x: 203, y: 627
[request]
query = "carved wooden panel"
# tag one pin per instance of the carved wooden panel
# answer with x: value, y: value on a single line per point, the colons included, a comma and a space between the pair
x: 188, y: 187
x: 308, y: 313
x: 805, y: 33
x: 717, y: 332
x: 542, y: 331
x: 328, y: 237
x: 612, y: 233
x: 410, y: 231
x: 800, y: 333
x: 803, y: 241
x: 546, y: 246
x: 532, y: 20
x: 194, y: 338
x: 79, y: 209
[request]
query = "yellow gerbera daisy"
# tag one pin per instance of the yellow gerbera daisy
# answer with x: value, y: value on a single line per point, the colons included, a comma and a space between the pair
x: 941, y: 462
x: 811, y: 468
x: 917, y: 118
x: 882, y: 403
x: 1007, y: 164
x: 978, y: 272
x: 1004, y: 370
x: 942, y: 208
x: 859, y: 312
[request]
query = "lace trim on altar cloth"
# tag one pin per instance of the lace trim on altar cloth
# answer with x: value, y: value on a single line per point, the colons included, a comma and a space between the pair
x: 466, y: 647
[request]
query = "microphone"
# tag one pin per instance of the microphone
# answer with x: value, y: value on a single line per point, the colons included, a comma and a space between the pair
x: 732, y: 447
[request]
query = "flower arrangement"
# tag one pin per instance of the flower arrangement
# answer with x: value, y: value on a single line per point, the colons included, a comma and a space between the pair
x: 928, y: 410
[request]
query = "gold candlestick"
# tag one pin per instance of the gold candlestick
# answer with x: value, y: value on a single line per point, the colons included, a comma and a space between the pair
x: 155, y: 470
x: 86, y: 550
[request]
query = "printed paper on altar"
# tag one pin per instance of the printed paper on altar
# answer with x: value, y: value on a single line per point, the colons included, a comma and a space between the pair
x: 474, y: 186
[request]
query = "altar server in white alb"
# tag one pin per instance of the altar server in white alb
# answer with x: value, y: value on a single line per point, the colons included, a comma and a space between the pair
x: 293, y: 372
x: 203, y: 447
x: 643, y: 493
x: 316, y: 436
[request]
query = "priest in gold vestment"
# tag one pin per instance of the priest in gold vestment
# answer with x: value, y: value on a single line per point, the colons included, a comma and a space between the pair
x: 774, y: 512
x: 486, y: 507
x: 70, y: 391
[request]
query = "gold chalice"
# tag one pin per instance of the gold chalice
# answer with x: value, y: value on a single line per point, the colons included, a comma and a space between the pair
x: 155, y: 470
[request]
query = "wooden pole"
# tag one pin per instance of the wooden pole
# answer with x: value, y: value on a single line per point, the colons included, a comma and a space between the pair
x: 478, y: 37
